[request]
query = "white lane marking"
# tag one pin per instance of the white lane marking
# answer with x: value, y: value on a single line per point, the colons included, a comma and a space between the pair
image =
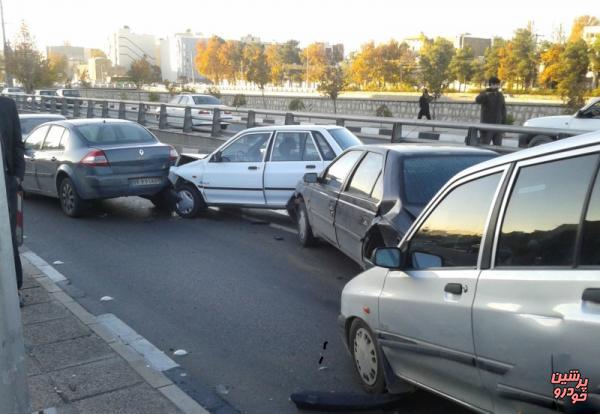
x: 44, y: 267
x: 154, y: 356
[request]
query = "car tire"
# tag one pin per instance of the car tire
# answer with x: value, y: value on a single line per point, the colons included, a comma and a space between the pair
x: 367, y: 357
x: 190, y: 202
x: 224, y: 126
x: 70, y: 201
x: 539, y: 140
x: 164, y: 200
x: 305, y: 234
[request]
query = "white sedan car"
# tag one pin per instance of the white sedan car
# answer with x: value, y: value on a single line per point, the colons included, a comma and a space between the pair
x: 202, y: 107
x: 257, y: 168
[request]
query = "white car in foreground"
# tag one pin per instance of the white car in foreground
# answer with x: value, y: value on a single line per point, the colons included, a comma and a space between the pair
x: 586, y: 119
x: 202, y: 107
x: 257, y: 168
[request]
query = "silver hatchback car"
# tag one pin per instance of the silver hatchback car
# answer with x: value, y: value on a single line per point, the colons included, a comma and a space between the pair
x: 492, y: 298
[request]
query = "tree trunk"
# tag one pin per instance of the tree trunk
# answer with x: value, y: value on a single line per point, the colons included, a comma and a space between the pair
x: 335, y: 106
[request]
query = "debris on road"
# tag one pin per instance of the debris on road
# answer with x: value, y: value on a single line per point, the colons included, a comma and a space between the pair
x: 106, y: 298
x: 57, y: 262
x: 222, y: 389
x: 180, y: 352
x: 278, y: 238
x: 340, y: 401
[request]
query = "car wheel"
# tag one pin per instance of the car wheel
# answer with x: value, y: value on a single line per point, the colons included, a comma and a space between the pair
x: 539, y: 140
x: 305, y: 234
x: 70, y: 202
x: 189, y: 201
x: 367, y: 357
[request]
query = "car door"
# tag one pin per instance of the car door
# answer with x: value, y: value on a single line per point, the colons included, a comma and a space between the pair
x: 321, y: 202
x: 425, y: 309
x: 356, y: 207
x: 235, y: 175
x: 587, y: 119
x: 175, y: 115
x: 33, y: 146
x: 293, y: 154
x: 536, y: 310
x: 49, y: 158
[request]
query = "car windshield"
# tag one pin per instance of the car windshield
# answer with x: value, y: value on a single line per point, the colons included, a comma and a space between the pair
x: 344, y: 138
x: 47, y: 93
x: 70, y: 92
x: 206, y: 100
x: 424, y: 176
x: 114, y: 133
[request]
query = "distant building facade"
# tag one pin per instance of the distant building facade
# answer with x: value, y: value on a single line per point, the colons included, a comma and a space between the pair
x: 178, y: 55
x: 125, y: 47
x: 477, y: 44
x: 591, y: 33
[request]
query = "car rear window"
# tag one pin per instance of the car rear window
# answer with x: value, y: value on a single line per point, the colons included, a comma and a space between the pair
x: 206, y: 100
x: 71, y: 93
x: 424, y: 176
x: 114, y: 133
x: 344, y: 138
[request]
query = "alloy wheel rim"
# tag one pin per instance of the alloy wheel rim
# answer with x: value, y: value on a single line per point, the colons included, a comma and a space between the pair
x: 68, y: 197
x: 365, y: 356
x: 186, y: 201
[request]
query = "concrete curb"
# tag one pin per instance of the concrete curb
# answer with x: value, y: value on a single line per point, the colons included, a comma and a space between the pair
x: 153, y: 377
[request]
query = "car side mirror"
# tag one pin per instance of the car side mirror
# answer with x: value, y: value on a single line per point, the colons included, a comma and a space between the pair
x: 388, y: 257
x: 311, y: 178
x: 216, y: 157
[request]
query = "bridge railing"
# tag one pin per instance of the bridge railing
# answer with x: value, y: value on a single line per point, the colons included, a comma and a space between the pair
x: 216, y: 121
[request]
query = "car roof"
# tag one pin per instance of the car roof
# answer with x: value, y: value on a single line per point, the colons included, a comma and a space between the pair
x: 44, y: 116
x: 562, y: 145
x: 91, y: 121
x: 304, y: 127
x: 424, y: 149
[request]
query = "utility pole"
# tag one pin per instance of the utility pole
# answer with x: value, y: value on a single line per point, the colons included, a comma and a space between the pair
x: 7, y: 76
x: 14, y: 393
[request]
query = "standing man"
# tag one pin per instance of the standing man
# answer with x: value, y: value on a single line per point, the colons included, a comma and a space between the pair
x: 424, y: 101
x: 493, y: 110
x: 13, y: 151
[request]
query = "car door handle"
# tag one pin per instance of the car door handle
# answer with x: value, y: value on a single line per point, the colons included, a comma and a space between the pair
x: 331, y: 208
x: 454, y: 288
x: 311, y: 167
x: 253, y: 167
x: 591, y: 295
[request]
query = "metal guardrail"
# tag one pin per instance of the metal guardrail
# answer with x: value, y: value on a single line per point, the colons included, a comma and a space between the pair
x: 156, y: 114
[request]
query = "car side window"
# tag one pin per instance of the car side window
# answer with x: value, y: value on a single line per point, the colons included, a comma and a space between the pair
x: 324, y: 148
x: 175, y: 100
x: 339, y: 169
x: 366, y: 174
x: 34, y: 141
x: 377, y: 193
x: 52, y: 142
x: 593, y: 111
x: 451, y: 235
x: 590, y: 244
x: 294, y: 146
x: 247, y: 148
x: 543, y: 213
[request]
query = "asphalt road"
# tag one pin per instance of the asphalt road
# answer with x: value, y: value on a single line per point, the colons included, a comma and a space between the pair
x: 252, y: 308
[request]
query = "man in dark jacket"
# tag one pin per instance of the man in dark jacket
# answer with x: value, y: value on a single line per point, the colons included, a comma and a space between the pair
x: 493, y: 110
x: 13, y: 151
x: 424, y: 105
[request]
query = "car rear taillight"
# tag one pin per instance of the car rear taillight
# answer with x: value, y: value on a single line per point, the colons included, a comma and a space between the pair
x: 173, y: 154
x: 227, y: 112
x: 95, y: 158
x: 203, y: 112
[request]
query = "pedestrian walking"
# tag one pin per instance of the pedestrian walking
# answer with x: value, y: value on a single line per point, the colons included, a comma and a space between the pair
x: 424, y: 101
x: 13, y: 152
x: 493, y: 110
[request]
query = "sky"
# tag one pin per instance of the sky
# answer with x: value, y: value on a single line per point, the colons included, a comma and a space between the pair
x: 352, y: 22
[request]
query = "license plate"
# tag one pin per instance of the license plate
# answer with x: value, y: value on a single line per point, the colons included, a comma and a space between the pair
x: 145, y: 181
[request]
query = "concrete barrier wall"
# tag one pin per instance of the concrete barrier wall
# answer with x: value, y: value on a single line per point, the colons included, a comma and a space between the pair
x: 444, y: 110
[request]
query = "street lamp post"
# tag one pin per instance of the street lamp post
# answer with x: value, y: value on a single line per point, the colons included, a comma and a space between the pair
x: 7, y: 76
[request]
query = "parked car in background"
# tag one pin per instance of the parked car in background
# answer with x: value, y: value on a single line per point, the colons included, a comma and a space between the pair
x: 13, y: 91
x: 90, y: 159
x: 39, y: 93
x: 70, y: 96
x: 258, y: 167
x: 202, y: 107
x: 494, y: 290
x: 370, y: 195
x: 30, y: 121
x: 585, y: 119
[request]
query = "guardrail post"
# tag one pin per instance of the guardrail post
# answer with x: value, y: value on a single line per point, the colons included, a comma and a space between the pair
x: 76, y: 108
x: 122, y: 113
x: 53, y: 105
x: 90, y: 109
x: 340, y: 122
x: 251, y: 121
x: 141, y: 119
x: 216, y: 123
x: 289, y: 118
x: 472, y: 138
x: 63, y: 107
x: 397, y: 132
x: 104, y: 109
x: 187, y: 119
x: 162, y: 117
